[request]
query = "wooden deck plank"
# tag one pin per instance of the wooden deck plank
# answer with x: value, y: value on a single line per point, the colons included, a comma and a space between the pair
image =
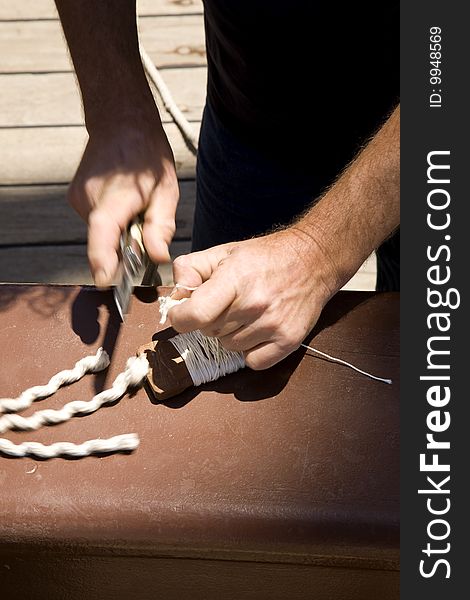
x: 365, y: 278
x: 45, y: 9
x: 54, y: 98
x: 39, y: 46
x: 41, y: 215
x: 61, y: 264
x: 51, y: 154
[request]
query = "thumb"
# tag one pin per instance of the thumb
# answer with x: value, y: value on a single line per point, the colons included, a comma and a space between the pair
x: 194, y: 269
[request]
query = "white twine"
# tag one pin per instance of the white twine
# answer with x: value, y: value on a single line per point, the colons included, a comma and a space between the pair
x: 134, y: 374
x: 346, y: 364
x: 166, y: 304
x: 205, y: 357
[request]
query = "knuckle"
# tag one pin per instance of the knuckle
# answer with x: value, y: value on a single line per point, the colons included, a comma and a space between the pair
x: 210, y: 331
x: 169, y: 184
x: 97, y: 219
x: 231, y: 344
x: 183, y: 261
x: 255, y: 362
x: 270, y: 324
x: 163, y: 228
x: 259, y: 302
x: 200, y: 316
x: 289, y: 340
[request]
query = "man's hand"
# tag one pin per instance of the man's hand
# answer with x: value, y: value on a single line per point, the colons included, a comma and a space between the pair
x: 260, y: 296
x: 128, y: 166
x: 125, y: 170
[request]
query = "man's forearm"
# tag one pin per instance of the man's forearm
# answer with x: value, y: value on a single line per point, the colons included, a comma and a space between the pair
x: 359, y: 211
x: 103, y: 42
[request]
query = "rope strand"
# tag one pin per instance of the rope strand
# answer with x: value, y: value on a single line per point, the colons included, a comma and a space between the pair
x: 89, y: 364
x: 135, y: 372
x: 118, y: 443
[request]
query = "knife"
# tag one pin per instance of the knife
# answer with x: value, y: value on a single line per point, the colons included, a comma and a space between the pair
x: 133, y: 261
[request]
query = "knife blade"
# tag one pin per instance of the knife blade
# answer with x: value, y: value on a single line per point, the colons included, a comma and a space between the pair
x: 133, y: 262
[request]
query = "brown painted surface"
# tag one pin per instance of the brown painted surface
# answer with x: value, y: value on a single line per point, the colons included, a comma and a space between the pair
x: 274, y: 484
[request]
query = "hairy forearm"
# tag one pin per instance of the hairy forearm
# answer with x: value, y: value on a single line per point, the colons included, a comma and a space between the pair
x: 103, y: 42
x: 359, y: 211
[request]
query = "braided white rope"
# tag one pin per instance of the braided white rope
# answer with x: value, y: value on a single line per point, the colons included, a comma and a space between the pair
x: 119, y: 443
x: 166, y: 304
x: 134, y: 374
x: 89, y: 364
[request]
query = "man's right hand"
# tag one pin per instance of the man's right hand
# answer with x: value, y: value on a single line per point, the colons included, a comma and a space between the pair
x: 127, y: 167
x: 125, y: 170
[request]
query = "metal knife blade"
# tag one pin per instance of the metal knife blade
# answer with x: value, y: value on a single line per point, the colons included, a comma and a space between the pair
x: 133, y: 262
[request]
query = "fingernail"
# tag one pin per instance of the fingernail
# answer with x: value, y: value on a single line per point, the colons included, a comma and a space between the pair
x: 163, y: 252
x: 101, y: 278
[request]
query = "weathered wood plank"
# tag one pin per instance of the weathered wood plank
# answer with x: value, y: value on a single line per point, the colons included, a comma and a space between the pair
x: 54, y: 98
x: 365, y: 278
x: 39, y: 46
x: 51, y: 154
x: 172, y: 41
x: 41, y: 215
x: 61, y: 264
x: 45, y: 9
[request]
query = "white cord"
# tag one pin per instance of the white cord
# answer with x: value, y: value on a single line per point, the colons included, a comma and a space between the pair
x: 135, y: 372
x: 89, y: 364
x: 118, y: 443
x: 346, y: 364
x: 166, y: 304
x: 168, y: 102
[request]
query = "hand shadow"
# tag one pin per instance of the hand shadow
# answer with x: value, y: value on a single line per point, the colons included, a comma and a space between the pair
x: 85, y: 317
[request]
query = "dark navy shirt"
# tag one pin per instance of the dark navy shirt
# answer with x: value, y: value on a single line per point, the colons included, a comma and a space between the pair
x: 307, y: 80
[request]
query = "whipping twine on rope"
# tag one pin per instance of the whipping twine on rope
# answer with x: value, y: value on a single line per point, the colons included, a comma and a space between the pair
x: 205, y: 359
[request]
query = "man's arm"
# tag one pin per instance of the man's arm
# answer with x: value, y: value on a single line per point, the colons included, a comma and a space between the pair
x: 262, y: 296
x: 128, y: 165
